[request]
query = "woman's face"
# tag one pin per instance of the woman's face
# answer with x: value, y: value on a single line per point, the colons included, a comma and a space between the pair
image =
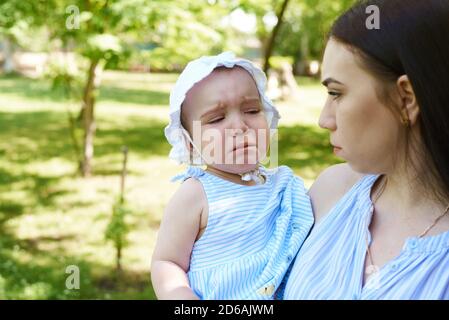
x: 363, y: 131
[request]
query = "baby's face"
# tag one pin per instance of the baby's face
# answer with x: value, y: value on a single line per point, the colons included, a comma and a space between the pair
x: 224, y: 116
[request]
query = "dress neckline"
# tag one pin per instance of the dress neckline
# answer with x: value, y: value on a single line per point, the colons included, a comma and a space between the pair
x: 413, y: 243
x: 266, y: 172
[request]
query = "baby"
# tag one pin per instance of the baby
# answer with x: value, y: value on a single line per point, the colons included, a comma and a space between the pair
x: 233, y: 228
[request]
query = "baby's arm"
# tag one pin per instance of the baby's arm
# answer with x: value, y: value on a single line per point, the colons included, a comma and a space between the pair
x: 178, y: 231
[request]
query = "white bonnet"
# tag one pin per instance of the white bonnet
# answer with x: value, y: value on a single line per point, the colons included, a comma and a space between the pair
x: 194, y: 72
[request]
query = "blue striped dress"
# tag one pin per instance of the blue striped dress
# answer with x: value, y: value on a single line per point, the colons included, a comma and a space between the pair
x: 252, y: 234
x: 330, y: 264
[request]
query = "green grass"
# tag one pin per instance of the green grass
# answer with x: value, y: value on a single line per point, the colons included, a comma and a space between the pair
x: 51, y: 218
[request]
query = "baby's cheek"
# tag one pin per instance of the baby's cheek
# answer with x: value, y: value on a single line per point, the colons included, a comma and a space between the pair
x: 263, y: 140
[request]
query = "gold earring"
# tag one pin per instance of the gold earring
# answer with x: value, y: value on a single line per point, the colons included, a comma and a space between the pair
x: 405, y: 122
x: 405, y: 119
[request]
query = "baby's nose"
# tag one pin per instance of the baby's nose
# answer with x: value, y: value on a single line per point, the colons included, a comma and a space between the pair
x: 238, y: 127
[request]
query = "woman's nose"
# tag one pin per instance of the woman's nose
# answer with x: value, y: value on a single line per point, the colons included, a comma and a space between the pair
x: 327, y: 118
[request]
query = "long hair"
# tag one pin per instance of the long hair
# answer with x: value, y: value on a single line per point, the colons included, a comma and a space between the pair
x: 412, y: 39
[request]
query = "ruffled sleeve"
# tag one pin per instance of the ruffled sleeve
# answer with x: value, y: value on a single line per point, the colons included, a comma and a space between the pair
x: 190, y: 172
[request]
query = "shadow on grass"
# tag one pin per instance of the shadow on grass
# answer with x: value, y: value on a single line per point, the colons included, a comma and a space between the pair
x: 135, y: 96
x: 43, y: 135
x: 41, y: 90
x: 43, y: 190
x: 47, y: 279
x: 29, y: 88
x: 27, y: 272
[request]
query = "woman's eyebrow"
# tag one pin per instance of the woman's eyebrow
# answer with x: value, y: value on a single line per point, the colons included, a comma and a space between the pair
x: 327, y: 81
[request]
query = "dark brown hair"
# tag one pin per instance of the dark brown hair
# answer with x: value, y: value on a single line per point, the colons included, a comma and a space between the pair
x: 413, y: 39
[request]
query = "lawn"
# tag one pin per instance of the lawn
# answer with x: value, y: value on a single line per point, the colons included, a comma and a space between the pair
x: 50, y: 218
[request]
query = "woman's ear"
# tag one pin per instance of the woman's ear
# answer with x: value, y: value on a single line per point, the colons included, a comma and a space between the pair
x: 409, y: 105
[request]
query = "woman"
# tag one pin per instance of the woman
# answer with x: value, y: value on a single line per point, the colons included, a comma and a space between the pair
x: 382, y: 221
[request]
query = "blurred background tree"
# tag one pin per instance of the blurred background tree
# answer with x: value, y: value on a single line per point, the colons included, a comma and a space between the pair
x: 163, y: 35
x: 16, y: 21
x: 305, y: 27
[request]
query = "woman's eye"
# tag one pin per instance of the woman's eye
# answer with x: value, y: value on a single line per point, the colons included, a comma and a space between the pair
x: 334, y: 94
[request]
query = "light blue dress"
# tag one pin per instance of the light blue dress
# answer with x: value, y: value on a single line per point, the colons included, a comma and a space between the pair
x: 252, y: 234
x: 330, y: 264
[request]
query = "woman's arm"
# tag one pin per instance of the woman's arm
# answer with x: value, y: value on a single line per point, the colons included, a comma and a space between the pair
x: 330, y: 186
x: 179, y: 228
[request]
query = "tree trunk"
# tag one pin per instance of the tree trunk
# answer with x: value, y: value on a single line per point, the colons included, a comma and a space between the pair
x: 270, y: 44
x: 298, y: 60
x: 89, y: 119
x: 119, y: 260
x: 123, y: 175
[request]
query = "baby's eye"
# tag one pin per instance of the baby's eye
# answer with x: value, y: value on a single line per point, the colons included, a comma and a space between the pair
x: 252, y: 111
x: 215, y: 120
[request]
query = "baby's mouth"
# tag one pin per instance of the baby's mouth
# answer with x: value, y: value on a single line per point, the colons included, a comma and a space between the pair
x: 243, y: 146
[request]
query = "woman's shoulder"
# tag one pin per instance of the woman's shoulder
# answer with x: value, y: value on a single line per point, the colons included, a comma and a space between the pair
x: 332, y: 184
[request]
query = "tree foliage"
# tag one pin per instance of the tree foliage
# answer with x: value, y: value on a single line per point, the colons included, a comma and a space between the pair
x: 165, y: 33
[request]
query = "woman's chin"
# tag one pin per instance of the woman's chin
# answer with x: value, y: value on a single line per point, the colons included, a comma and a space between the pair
x: 359, y: 167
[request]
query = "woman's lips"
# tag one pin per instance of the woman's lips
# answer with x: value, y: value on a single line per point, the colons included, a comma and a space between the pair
x: 337, y: 149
